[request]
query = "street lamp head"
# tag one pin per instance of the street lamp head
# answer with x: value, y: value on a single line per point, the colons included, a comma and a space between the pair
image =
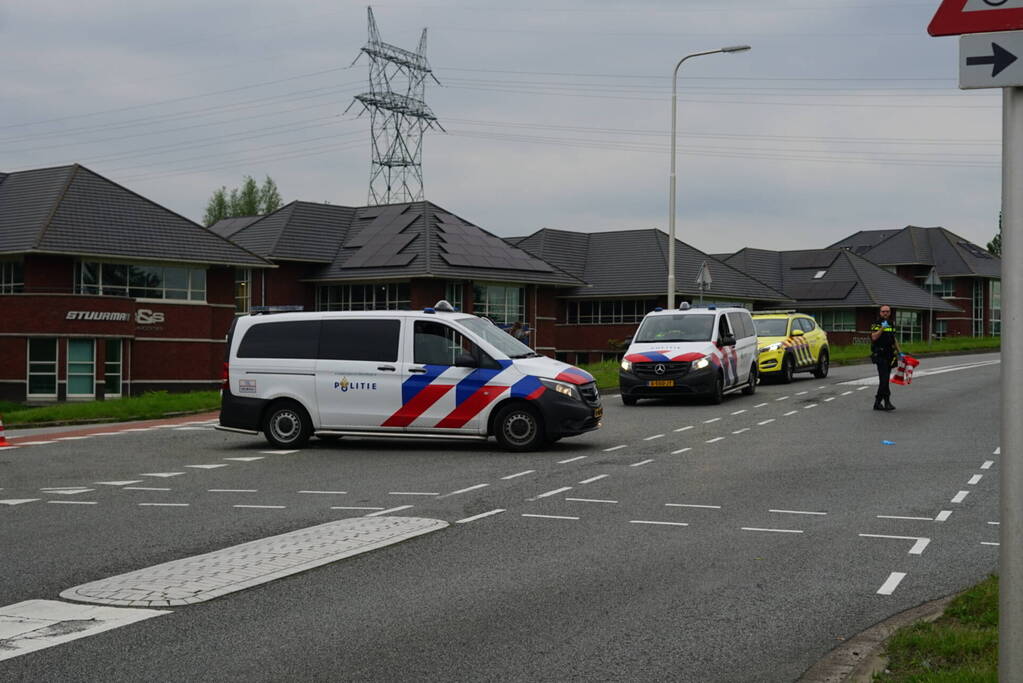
x: 736, y: 48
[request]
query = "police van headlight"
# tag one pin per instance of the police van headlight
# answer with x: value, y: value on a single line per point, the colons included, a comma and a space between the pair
x: 770, y: 347
x: 565, y: 388
x: 626, y: 365
x: 700, y: 364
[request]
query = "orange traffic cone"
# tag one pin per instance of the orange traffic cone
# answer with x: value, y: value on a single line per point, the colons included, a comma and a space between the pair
x: 3, y: 440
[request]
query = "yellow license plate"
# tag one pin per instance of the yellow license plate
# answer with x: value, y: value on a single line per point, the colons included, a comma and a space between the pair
x: 598, y: 412
x: 661, y: 383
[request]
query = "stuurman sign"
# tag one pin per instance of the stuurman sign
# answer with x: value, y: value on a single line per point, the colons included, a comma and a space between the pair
x: 143, y: 316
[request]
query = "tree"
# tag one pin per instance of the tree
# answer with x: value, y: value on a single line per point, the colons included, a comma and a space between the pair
x: 248, y: 200
x: 995, y: 245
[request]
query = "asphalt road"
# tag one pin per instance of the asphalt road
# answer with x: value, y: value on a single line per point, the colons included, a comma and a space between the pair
x: 684, y: 542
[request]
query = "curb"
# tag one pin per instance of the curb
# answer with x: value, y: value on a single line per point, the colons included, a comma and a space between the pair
x: 105, y: 420
x: 860, y: 657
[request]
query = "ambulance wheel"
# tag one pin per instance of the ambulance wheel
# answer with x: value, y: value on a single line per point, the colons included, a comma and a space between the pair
x: 751, y: 383
x: 788, y: 368
x: 823, y: 365
x: 717, y: 394
x: 629, y: 400
x: 287, y: 425
x: 518, y: 427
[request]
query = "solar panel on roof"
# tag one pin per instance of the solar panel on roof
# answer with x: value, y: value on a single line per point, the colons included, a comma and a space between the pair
x: 821, y: 290
x: 814, y: 259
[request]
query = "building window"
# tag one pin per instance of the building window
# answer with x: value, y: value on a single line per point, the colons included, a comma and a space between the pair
x: 453, y: 294
x: 908, y: 325
x: 996, y: 308
x: 81, y: 367
x: 947, y: 288
x: 940, y: 329
x: 242, y: 290
x: 112, y: 368
x: 140, y: 281
x: 621, y: 311
x: 391, y: 296
x: 836, y: 321
x: 501, y: 303
x: 42, y: 368
x: 978, y: 308
x: 12, y: 277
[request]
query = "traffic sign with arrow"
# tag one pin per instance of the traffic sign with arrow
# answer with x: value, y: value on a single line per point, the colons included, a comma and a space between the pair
x: 988, y: 60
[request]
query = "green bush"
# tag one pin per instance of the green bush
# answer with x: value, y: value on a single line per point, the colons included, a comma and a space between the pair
x: 148, y: 406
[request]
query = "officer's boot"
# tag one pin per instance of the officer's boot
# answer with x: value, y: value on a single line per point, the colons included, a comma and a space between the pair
x: 888, y: 403
x: 877, y: 403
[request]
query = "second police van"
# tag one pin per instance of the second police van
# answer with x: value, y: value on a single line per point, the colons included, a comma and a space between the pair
x: 430, y: 373
x: 690, y: 352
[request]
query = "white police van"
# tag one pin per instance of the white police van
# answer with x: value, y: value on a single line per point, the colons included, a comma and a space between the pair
x: 429, y: 373
x: 690, y: 351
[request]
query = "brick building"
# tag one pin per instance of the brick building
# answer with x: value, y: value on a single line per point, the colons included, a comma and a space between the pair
x: 104, y: 293
x: 970, y: 276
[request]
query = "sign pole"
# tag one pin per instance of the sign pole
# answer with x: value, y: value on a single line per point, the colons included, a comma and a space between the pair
x: 1010, y: 602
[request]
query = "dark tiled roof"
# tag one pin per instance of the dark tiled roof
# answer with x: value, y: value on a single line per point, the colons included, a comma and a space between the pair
x: 950, y: 254
x: 226, y: 227
x: 634, y: 263
x: 834, y: 278
x: 416, y: 239
x: 72, y: 210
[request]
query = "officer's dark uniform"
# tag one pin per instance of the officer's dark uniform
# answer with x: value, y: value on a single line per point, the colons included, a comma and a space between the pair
x: 882, y: 353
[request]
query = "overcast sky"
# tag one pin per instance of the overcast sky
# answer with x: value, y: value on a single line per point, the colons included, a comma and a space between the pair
x: 844, y: 116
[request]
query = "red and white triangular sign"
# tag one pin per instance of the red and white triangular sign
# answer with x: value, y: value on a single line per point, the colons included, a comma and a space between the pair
x: 956, y: 17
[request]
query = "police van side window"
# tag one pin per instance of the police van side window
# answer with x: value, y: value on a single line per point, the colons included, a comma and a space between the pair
x: 437, y: 344
x: 369, y: 340
x: 744, y: 324
x: 736, y: 321
x: 293, y: 339
x: 724, y: 329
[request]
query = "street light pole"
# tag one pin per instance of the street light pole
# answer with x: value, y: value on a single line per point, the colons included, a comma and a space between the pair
x: 671, y: 198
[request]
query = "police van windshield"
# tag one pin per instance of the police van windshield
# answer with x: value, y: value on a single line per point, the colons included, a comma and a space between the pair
x: 494, y: 335
x: 771, y: 327
x: 676, y: 328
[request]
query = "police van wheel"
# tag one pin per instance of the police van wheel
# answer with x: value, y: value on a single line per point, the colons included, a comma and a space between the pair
x: 518, y: 427
x: 717, y: 394
x: 751, y: 383
x: 287, y: 425
x: 823, y: 365
x: 788, y: 368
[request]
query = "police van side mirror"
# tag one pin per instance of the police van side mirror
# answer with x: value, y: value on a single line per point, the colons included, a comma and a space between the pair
x: 465, y: 360
x: 727, y: 340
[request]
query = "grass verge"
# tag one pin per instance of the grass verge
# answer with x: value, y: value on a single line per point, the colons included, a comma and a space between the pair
x: 960, y: 647
x: 855, y: 353
x: 151, y: 405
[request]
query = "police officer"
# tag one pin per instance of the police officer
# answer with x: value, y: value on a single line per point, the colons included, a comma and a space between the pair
x: 884, y: 347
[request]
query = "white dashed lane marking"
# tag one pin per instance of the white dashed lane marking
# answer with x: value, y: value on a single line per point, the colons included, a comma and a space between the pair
x: 682, y: 429
x: 776, y: 531
x: 681, y: 450
x: 919, y: 543
x: 412, y: 493
x: 71, y: 502
x: 326, y: 493
x: 593, y: 479
x: 943, y: 516
x: 739, y: 412
x: 592, y: 500
x: 960, y: 497
x: 265, y: 507
x: 791, y: 412
x: 208, y: 467
x: 480, y: 516
x: 713, y: 419
x: 715, y: 439
x: 250, y: 459
x: 552, y: 493
x: 518, y: 474
x: 891, y: 583
x: 162, y: 475
x: 381, y: 513
x: 692, y: 505
x: 526, y: 514
x: 760, y: 405
x: 975, y: 479
x: 163, y: 505
x: 615, y: 448
x: 578, y: 457
x: 740, y: 431
x: 651, y: 438
x: 118, y: 483
x: 765, y: 422
x: 987, y: 464
x: 641, y: 463
x: 465, y: 490
x: 646, y: 521
x: 146, y: 488
x: 797, y: 512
